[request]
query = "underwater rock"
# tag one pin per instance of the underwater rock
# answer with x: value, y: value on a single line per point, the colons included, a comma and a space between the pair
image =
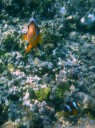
x: 88, y: 21
x: 10, y: 124
x: 26, y: 96
x: 85, y: 100
x: 47, y: 65
x: 62, y: 11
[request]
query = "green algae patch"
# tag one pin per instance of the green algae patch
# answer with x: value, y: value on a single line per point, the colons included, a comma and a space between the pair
x: 60, y: 114
x: 59, y: 93
x: 43, y: 94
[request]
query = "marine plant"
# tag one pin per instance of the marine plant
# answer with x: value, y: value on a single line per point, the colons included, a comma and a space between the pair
x: 9, y: 42
x: 59, y: 94
x: 60, y: 114
x: 43, y: 94
x: 3, y: 112
x: 27, y: 6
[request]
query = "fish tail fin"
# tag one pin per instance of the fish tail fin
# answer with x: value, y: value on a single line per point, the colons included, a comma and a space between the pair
x: 24, y: 37
x: 29, y: 47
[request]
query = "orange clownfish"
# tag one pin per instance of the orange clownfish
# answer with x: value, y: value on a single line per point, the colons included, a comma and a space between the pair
x: 33, y: 36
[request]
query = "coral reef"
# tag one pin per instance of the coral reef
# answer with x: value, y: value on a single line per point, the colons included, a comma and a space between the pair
x: 34, y: 87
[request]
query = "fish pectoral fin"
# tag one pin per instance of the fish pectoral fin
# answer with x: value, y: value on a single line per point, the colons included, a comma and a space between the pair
x: 24, y: 37
x: 29, y: 47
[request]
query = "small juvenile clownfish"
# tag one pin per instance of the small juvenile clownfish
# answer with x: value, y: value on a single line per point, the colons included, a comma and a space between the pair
x: 33, y: 35
x: 71, y: 108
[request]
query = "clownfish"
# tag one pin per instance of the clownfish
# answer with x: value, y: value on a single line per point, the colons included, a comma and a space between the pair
x: 33, y: 36
x: 71, y: 108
